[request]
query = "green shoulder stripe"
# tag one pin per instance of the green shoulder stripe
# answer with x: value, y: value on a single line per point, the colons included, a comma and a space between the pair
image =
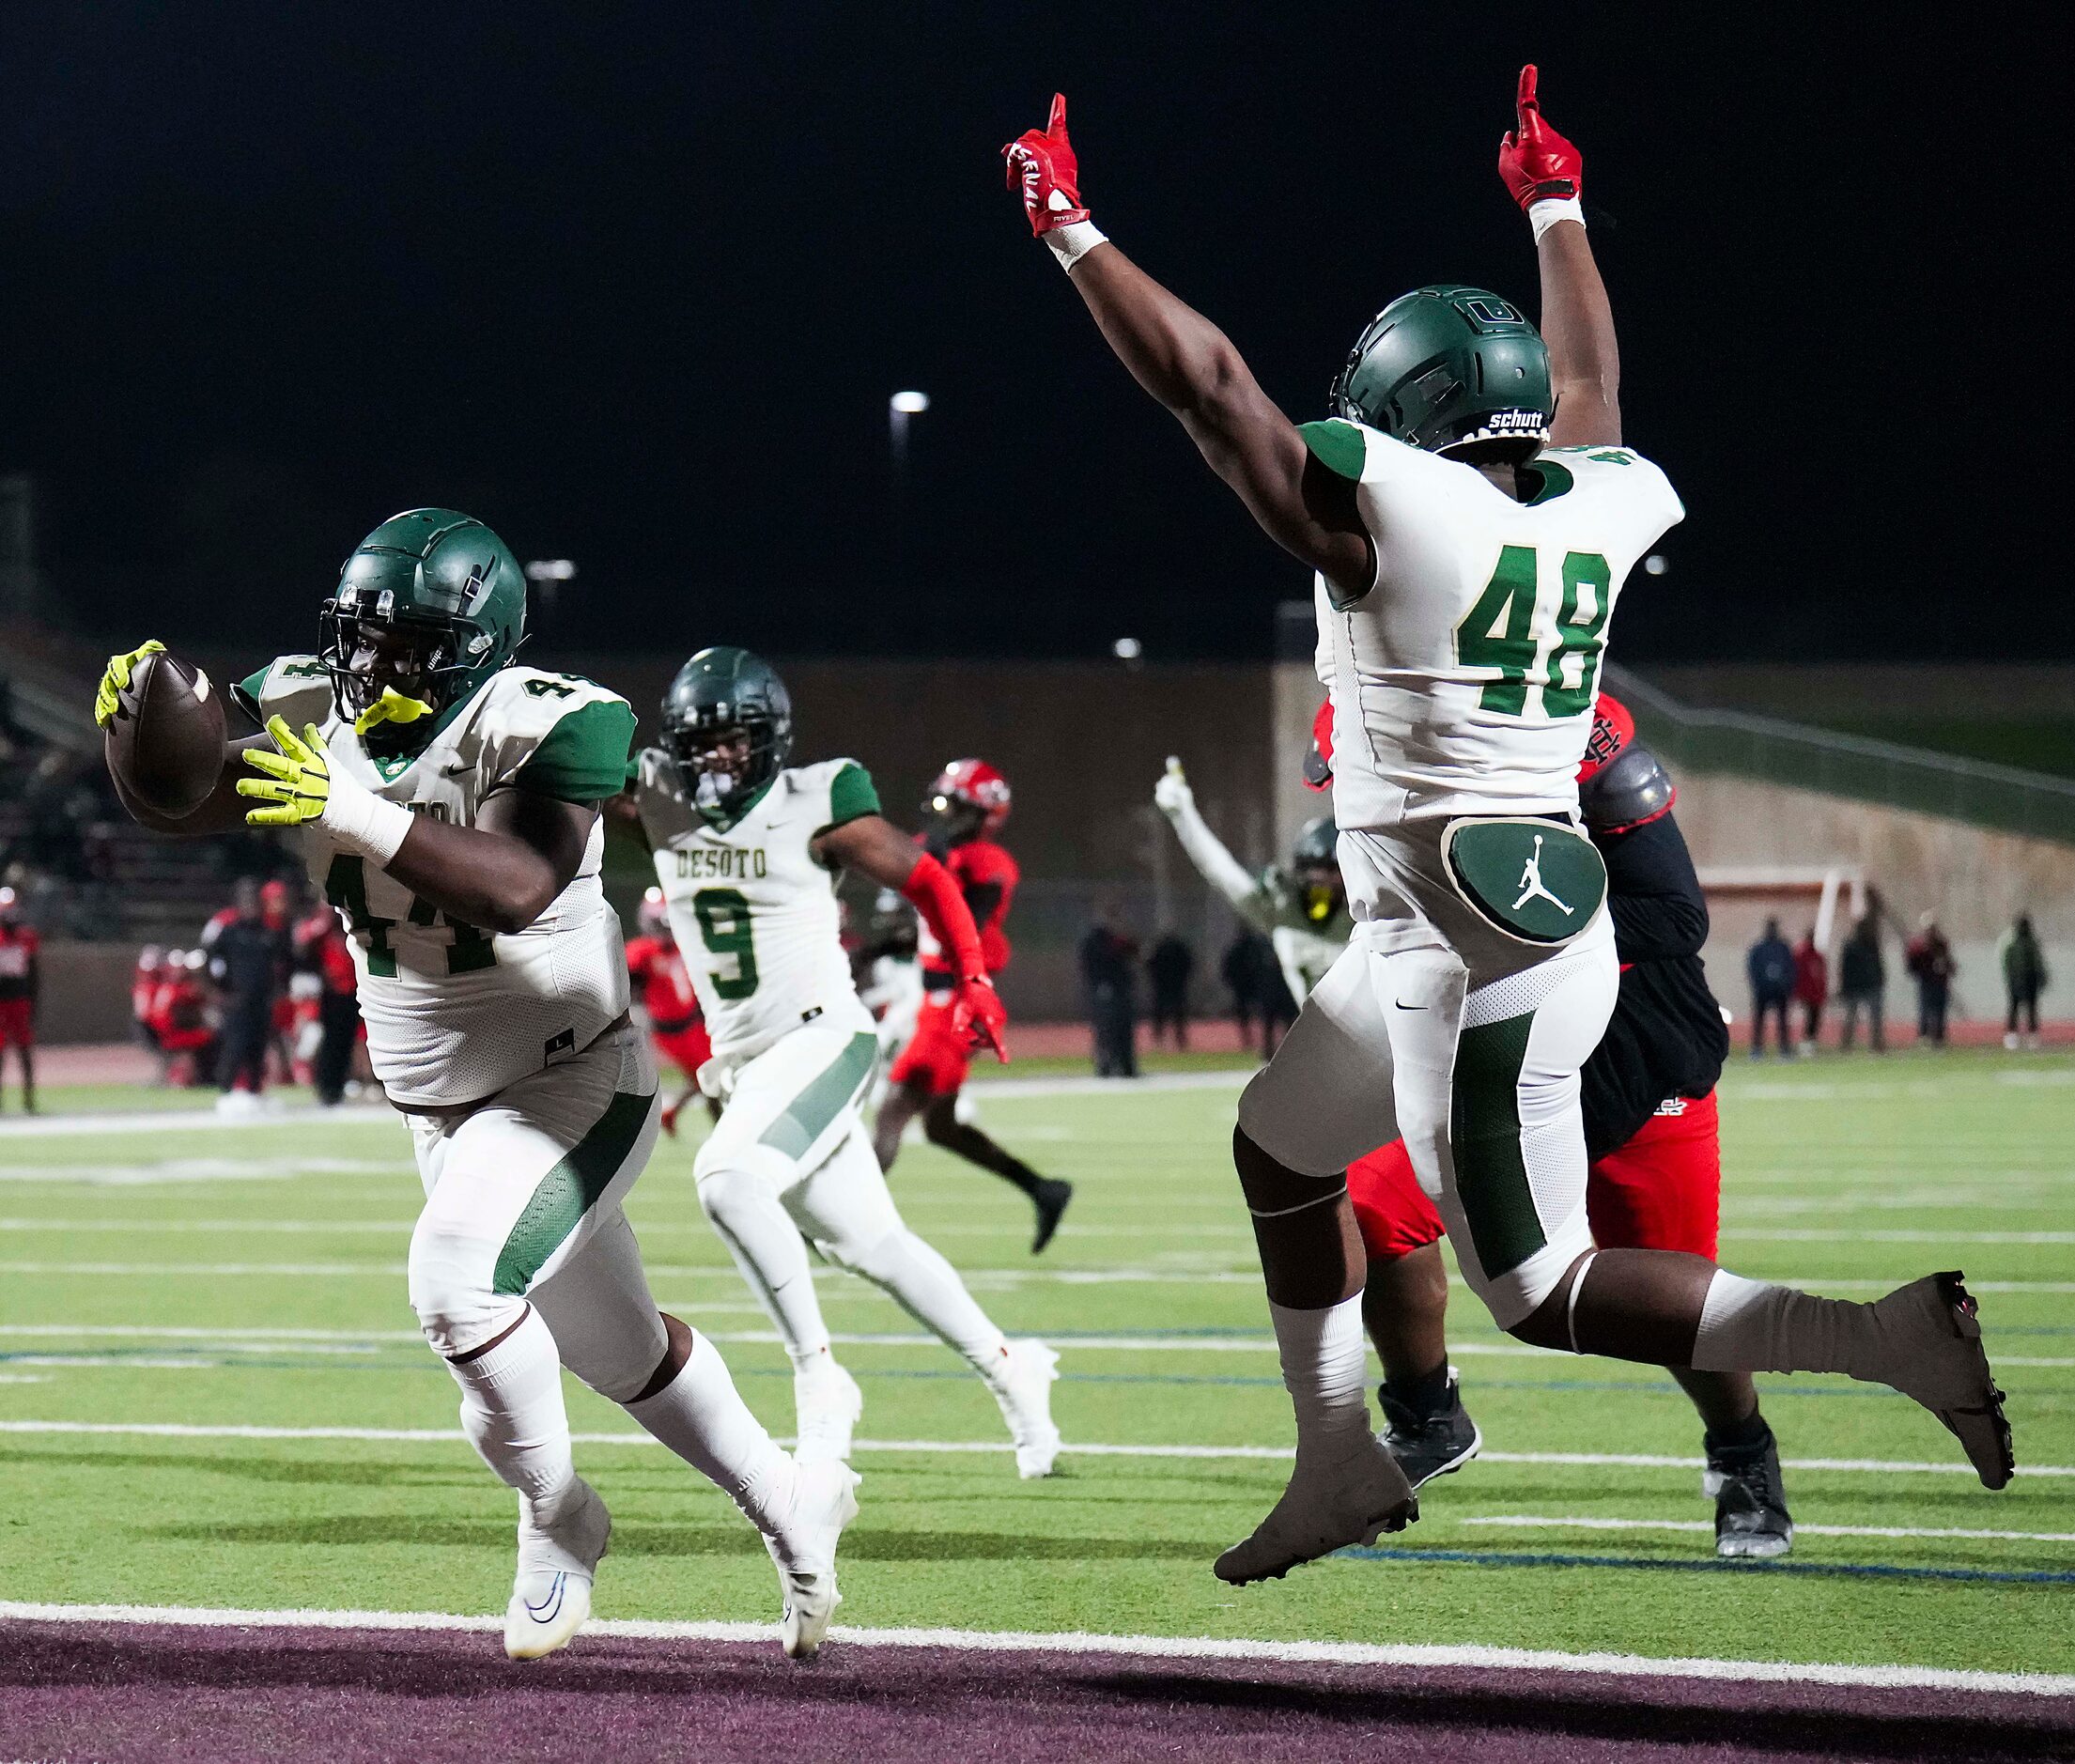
x: 1337, y: 445
x: 851, y: 795
x: 584, y: 757
x: 246, y: 692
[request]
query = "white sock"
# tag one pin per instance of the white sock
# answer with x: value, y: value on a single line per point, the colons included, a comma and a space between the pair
x: 928, y: 1288
x: 700, y: 1416
x: 766, y: 1247
x: 1323, y: 1370
x: 512, y: 1412
x: 1752, y: 1326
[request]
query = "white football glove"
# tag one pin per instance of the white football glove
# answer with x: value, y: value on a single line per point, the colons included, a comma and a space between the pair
x: 1172, y: 796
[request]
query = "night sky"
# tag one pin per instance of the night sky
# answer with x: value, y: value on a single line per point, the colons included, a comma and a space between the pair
x: 633, y: 284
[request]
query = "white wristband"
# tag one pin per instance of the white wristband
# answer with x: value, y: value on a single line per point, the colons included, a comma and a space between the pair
x: 1544, y: 214
x: 364, y: 822
x: 1072, y: 243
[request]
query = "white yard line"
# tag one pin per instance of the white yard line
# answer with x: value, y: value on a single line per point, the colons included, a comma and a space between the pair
x: 979, y: 1280
x: 1791, y: 1234
x: 190, y: 1119
x: 1544, y: 1522
x: 447, y: 1436
x: 1075, y: 1642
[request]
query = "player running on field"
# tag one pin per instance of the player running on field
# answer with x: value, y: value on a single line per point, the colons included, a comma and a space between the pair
x: 749, y: 852
x: 657, y: 966
x: 965, y: 808
x: 1470, y: 514
x: 1647, y: 1098
x: 446, y: 802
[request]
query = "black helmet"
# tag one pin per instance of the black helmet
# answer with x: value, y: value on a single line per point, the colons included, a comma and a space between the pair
x: 720, y: 692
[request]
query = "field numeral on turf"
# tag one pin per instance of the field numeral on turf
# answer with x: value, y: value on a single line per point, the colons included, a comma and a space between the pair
x: 1500, y: 632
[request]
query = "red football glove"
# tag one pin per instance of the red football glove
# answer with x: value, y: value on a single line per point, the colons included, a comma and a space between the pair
x: 1536, y: 162
x: 980, y: 1016
x: 1041, y: 165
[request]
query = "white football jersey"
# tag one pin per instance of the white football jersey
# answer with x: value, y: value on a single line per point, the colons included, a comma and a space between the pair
x: 1463, y: 680
x: 454, y: 1013
x: 754, y: 911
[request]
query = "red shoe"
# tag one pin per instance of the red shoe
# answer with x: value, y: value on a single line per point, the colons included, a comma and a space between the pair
x: 670, y: 1119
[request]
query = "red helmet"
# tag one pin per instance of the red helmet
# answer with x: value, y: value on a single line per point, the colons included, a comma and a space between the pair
x: 1613, y: 728
x: 1318, y: 757
x: 974, y: 783
x: 655, y: 913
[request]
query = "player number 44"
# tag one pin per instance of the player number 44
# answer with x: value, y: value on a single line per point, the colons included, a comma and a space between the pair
x: 1500, y: 632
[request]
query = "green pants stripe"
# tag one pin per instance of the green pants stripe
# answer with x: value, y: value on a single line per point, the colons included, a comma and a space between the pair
x: 1490, y: 1173
x: 569, y: 1191
x: 807, y: 1115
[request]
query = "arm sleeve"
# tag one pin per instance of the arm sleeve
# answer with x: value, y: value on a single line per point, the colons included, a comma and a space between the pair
x: 1654, y: 896
x: 584, y: 757
x: 1221, y: 870
x: 934, y: 892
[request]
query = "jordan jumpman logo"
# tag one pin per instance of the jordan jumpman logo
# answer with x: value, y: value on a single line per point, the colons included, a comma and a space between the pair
x: 1530, y: 883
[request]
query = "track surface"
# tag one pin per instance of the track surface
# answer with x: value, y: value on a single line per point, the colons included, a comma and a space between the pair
x: 135, y: 1692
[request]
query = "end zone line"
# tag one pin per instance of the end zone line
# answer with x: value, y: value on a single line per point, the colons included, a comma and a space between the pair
x: 449, y: 1436
x: 1576, y: 1522
x: 1079, y: 1641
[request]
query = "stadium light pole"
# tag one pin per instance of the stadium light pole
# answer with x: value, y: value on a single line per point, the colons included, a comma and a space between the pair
x: 899, y: 408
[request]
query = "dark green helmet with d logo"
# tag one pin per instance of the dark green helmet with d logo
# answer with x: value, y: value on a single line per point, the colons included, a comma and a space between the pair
x: 728, y: 728
x: 1453, y: 370
x: 430, y: 605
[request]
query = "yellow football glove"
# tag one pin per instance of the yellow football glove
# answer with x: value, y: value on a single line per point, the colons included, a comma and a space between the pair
x: 298, y: 786
x: 116, y: 681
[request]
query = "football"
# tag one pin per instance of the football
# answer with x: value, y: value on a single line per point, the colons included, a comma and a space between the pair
x: 164, y: 744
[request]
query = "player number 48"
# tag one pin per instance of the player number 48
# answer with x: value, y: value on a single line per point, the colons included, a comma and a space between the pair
x: 1499, y: 632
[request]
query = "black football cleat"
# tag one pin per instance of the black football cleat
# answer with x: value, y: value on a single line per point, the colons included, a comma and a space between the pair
x: 1050, y: 1201
x: 1429, y: 1445
x: 1750, y: 1499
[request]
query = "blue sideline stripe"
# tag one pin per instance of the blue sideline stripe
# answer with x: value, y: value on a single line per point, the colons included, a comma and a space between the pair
x: 1713, y: 1565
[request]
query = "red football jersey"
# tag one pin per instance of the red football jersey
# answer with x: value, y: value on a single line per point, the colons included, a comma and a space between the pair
x: 18, y: 944
x: 658, y: 970
x: 986, y: 876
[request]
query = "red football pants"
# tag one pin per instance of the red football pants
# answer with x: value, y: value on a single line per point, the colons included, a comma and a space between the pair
x: 1662, y: 1190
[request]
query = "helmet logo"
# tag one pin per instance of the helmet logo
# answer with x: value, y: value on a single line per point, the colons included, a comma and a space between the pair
x: 1489, y: 309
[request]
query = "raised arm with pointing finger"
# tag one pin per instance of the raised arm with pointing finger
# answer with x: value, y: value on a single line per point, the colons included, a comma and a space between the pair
x: 1544, y: 174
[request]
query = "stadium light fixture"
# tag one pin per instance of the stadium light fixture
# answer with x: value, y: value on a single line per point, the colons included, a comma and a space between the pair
x: 910, y: 403
x: 1656, y: 564
x: 550, y: 569
x: 1127, y: 649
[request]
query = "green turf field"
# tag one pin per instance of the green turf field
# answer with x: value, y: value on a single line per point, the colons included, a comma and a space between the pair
x: 189, y: 1275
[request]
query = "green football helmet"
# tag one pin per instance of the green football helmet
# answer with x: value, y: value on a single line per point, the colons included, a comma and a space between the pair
x: 430, y: 605
x: 1315, y: 863
x: 1456, y: 371
x: 728, y: 729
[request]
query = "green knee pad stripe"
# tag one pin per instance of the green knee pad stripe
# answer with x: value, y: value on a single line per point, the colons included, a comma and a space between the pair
x: 569, y: 1191
x: 1490, y: 1175
x: 807, y: 1115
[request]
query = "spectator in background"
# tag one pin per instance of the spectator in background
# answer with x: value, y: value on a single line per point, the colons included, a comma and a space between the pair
x: 1861, y: 984
x: 1240, y: 970
x: 323, y: 951
x: 181, y: 1017
x: 1169, y: 967
x: 2025, y: 977
x: 1811, y: 989
x: 1929, y: 959
x: 1107, y: 959
x: 1771, y: 967
x: 143, y: 991
x: 21, y: 983
x: 248, y: 962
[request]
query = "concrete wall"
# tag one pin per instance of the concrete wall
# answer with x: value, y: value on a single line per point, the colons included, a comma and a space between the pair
x: 1976, y: 881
